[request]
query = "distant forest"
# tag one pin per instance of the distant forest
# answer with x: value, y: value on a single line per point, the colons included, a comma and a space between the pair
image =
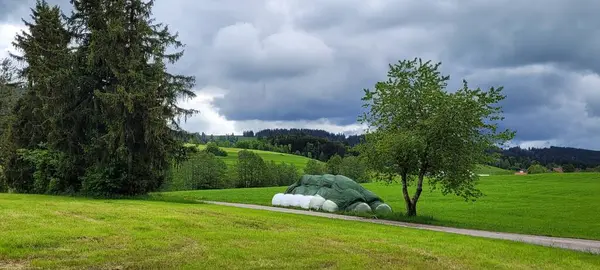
x: 518, y: 158
x: 321, y: 144
x: 351, y: 140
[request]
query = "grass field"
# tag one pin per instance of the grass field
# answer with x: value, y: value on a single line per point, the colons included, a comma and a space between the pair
x: 300, y: 161
x: 232, y: 155
x: 486, y: 169
x: 548, y: 204
x: 73, y: 233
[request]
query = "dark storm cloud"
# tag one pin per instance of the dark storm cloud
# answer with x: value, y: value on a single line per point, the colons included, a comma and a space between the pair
x: 8, y: 7
x: 306, y: 60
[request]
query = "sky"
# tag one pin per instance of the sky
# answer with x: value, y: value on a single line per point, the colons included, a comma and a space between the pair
x: 297, y: 63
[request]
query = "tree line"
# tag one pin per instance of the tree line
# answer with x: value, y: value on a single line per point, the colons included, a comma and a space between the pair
x: 88, y: 105
x: 205, y: 170
x: 516, y: 158
x: 351, y: 140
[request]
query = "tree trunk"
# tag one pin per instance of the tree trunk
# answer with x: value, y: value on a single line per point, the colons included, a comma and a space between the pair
x: 411, y: 204
x: 411, y: 209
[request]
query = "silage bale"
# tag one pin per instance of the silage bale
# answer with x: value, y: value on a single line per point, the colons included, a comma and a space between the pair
x: 316, y: 202
x: 383, y: 209
x: 297, y: 200
x: 287, y: 200
x: 277, y: 199
x: 329, y: 206
x: 305, y: 203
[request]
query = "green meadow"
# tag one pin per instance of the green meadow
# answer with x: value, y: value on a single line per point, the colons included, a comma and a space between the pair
x: 546, y: 204
x: 300, y: 161
x: 46, y: 232
x: 232, y: 155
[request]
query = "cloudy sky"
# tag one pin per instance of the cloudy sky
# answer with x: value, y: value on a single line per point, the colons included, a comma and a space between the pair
x: 303, y: 63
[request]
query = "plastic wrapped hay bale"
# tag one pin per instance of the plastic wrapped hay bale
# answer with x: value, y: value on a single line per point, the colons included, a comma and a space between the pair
x: 329, y: 206
x: 359, y: 207
x: 277, y: 199
x: 316, y: 202
x: 287, y: 200
x: 305, y: 203
x: 297, y: 200
x: 383, y: 209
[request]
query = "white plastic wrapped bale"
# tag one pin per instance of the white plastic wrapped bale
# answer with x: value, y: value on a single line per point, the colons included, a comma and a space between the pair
x: 305, y: 202
x: 297, y: 200
x: 276, y: 201
x: 316, y: 202
x: 330, y: 206
x: 287, y: 200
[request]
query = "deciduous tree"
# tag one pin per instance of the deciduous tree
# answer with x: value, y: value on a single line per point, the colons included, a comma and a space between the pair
x: 417, y: 129
x: 334, y: 164
x: 314, y: 167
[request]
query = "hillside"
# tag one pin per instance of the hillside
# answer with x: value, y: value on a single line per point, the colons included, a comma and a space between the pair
x: 183, y: 174
x: 51, y: 232
x: 513, y: 158
x: 232, y: 155
x: 300, y: 161
x: 553, y: 156
x: 491, y: 170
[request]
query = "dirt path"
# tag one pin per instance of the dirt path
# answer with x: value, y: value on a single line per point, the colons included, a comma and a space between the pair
x: 566, y: 243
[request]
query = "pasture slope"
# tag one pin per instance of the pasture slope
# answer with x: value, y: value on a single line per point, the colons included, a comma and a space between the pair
x: 561, y: 205
x: 73, y: 233
x: 300, y: 161
x: 232, y: 155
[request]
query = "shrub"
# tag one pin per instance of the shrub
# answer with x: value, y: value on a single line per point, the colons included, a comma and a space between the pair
x: 36, y: 170
x: 334, y: 164
x: 251, y: 170
x: 568, y: 168
x: 213, y: 148
x: 536, y: 169
x: 354, y: 168
x: 202, y: 170
x: 314, y: 167
x: 243, y: 144
x: 282, y: 174
x: 104, y: 180
x: 208, y: 172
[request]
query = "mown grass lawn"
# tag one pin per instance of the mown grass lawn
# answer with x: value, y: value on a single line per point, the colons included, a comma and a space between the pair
x: 563, y: 205
x: 60, y: 232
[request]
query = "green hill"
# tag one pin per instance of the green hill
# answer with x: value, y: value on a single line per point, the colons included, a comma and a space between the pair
x: 486, y: 169
x: 232, y: 155
x: 300, y: 161
x: 181, y: 173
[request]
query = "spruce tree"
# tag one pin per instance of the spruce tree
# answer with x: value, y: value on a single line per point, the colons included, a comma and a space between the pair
x: 123, y: 54
x: 44, y: 55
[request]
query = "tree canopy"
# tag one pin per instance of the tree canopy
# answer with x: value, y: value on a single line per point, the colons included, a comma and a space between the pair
x: 417, y: 129
x: 98, y: 99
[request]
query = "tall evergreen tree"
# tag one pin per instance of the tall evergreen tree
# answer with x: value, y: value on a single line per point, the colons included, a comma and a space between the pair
x: 44, y: 54
x: 9, y: 93
x: 134, y: 99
